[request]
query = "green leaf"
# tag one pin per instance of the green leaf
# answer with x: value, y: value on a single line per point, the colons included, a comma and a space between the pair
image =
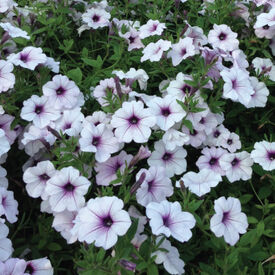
x: 54, y: 247
x: 152, y: 270
x: 260, y: 229
x: 75, y: 75
x: 188, y: 124
x: 258, y: 256
x: 132, y: 230
x: 245, y: 198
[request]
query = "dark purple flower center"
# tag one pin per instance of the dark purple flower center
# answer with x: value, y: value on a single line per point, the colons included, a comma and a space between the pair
x: 38, y: 109
x: 225, y: 217
x: 68, y: 187
x: 95, y: 18
x: 222, y: 36
x: 29, y: 269
x: 183, y: 51
x: 117, y: 166
x: 60, y: 91
x: 44, y: 177
x: 234, y: 83
x: 167, y: 156
x: 24, y: 57
x: 229, y: 141
x: 213, y: 161
x: 216, y: 134
x: 150, y: 185
x: 202, y: 121
x: 265, y: 27
x: 96, y: 141
x: 185, y: 89
x: 271, y: 155
x: 154, y: 27
x: 166, y: 220
x: 194, y: 133
x: 165, y: 111
x: 235, y: 161
x: 133, y: 120
x: 4, y: 201
x: 67, y: 125
x: 107, y: 221
x: 131, y: 39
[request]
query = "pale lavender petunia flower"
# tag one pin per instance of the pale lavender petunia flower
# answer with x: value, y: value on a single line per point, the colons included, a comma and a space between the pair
x: 237, y: 85
x: 264, y: 154
x: 99, y: 140
x: 36, y: 177
x: 173, y: 138
x: 173, y: 161
x: 61, y: 92
x: 181, y: 50
x: 106, y: 171
x: 170, y: 259
x: 237, y: 166
x: 28, y: 58
x: 39, y: 110
x: 3, y: 180
x: 154, y: 51
x: 66, y: 190
x: 166, y: 110
x: 96, y: 18
x: 228, y: 220
x: 167, y: 218
x: 210, y: 159
x: 13, y: 266
x: 8, y: 205
x: 259, y: 97
x: 100, y: 91
x: 14, y: 31
x: 101, y: 221
x: 5, y: 124
x: 133, y: 39
x: 223, y: 38
x: 132, y: 122
x: 156, y: 186
x: 63, y: 223
x: 265, y: 66
x: 152, y: 27
x: 232, y: 143
x: 7, y: 78
x: 39, y: 267
x: 196, y: 138
x: 200, y: 183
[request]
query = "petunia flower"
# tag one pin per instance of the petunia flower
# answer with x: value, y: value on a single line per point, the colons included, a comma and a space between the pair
x: 181, y: 50
x: 173, y: 138
x: 166, y: 110
x: 99, y: 140
x: 167, y: 218
x: 8, y: 205
x: 101, y: 221
x: 260, y: 93
x: 13, y: 266
x: 265, y: 66
x: 223, y: 38
x: 4, y: 143
x: 200, y: 183
x: 170, y: 259
x: 14, y: 31
x: 228, y: 220
x: 152, y: 27
x: 237, y: 166
x: 173, y: 161
x: 96, y: 18
x: 28, y: 58
x: 7, y: 78
x: 5, y: 124
x: 210, y: 159
x: 156, y: 186
x: 66, y: 190
x: 36, y: 177
x: 154, y: 51
x: 237, y: 86
x: 133, y: 122
x: 61, y: 92
x: 106, y: 171
x: 3, y: 180
x: 232, y: 143
x: 264, y: 154
x: 39, y: 110
x: 39, y: 267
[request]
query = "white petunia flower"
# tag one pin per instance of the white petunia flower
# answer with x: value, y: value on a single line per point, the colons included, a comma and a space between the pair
x: 101, y: 221
x: 167, y: 218
x: 152, y: 27
x: 96, y: 18
x: 66, y: 190
x: 8, y: 205
x: 133, y: 122
x: 173, y: 138
x: 228, y: 220
x: 7, y: 78
x: 200, y: 183
x: 14, y: 31
x: 264, y: 154
x: 28, y: 58
x: 154, y: 51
